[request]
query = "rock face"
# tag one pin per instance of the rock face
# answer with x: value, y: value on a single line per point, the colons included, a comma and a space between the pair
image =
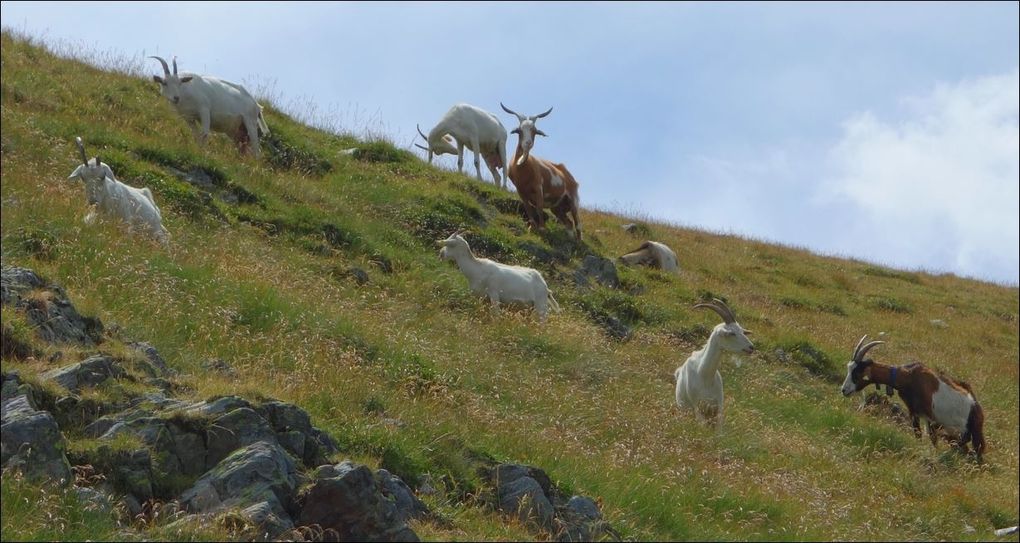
x: 347, y: 498
x: 47, y: 308
x: 31, y: 441
x: 259, y: 473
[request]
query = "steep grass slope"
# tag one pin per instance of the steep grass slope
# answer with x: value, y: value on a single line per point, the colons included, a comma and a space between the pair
x: 258, y: 273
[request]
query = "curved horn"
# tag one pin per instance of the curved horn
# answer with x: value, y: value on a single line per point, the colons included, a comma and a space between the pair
x: 166, y: 69
x: 722, y: 304
x: 81, y: 147
x: 520, y: 118
x: 724, y: 313
x: 857, y: 349
x: 175, y: 64
x: 420, y: 132
x: 540, y: 115
x: 864, y: 349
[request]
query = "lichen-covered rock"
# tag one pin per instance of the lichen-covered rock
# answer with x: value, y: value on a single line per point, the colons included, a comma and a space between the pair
x: 88, y: 373
x: 349, y: 499
x: 236, y: 429
x: 295, y: 432
x: 260, y: 472
x: 268, y: 525
x: 30, y: 441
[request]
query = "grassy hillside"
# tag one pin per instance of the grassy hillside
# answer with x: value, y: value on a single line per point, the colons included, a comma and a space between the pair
x: 412, y: 372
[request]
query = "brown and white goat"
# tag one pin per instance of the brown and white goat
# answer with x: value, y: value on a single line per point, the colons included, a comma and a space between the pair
x: 949, y: 406
x: 541, y: 183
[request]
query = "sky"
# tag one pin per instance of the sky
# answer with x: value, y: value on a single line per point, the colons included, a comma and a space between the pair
x: 885, y: 132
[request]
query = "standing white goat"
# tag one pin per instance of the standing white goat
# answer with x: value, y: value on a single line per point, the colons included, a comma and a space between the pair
x: 467, y: 125
x: 104, y: 192
x: 500, y: 282
x: 698, y: 382
x: 214, y: 104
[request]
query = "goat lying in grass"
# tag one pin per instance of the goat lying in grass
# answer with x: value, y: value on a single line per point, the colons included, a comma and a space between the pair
x: 698, y: 381
x: 500, y: 282
x: 949, y: 406
x: 654, y: 254
x: 104, y: 192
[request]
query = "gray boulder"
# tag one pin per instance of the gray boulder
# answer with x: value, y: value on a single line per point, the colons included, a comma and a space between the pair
x: 523, y: 497
x: 88, y: 373
x: 579, y: 520
x: 257, y: 473
x: 347, y: 498
x: 15, y: 282
x: 599, y: 269
x: 31, y: 441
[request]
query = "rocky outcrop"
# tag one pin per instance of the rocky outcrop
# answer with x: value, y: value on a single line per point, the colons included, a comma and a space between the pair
x: 48, y: 309
x: 527, y: 493
x: 349, y: 499
x: 32, y: 442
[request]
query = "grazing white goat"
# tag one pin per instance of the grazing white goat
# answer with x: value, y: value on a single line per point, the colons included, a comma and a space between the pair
x: 104, y: 192
x: 478, y: 130
x: 541, y: 183
x: 500, y: 282
x: 214, y: 104
x: 948, y: 405
x: 654, y: 254
x: 698, y: 382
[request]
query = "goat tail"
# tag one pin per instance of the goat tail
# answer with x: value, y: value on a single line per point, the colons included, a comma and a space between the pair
x: 262, y: 122
x: 553, y: 303
x: 975, y: 428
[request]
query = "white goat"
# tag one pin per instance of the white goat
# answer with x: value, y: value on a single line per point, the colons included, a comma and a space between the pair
x: 467, y: 125
x: 104, y: 192
x: 214, y: 104
x: 698, y: 382
x: 655, y: 254
x: 500, y: 282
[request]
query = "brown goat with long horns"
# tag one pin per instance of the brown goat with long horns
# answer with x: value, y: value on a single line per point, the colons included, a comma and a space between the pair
x: 949, y: 406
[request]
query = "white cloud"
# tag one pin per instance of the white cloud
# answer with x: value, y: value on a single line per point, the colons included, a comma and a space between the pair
x: 938, y: 190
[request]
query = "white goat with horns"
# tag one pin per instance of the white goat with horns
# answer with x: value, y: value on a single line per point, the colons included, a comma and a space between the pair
x: 698, y: 382
x: 478, y: 130
x: 214, y: 104
x: 134, y: 206
x: 500, y: 282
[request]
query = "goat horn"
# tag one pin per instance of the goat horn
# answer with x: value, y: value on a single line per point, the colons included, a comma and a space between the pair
x: 540, y: 115
x: 520, y: 118
x: 175, y: 64
x: 864, y: 349
x: 722, y: 304
x: 166, y: 69
x: 422, y: 147
x: 81, y: 147
x: 857, y: 349
x: 726, y: 317
x: 420, y: 132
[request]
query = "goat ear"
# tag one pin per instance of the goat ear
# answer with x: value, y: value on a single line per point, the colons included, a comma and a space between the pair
x: 76, y: 173
x: 186, y: 79
x: 540, y: 133
x: 516, y: 131
x: 157, y: 79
